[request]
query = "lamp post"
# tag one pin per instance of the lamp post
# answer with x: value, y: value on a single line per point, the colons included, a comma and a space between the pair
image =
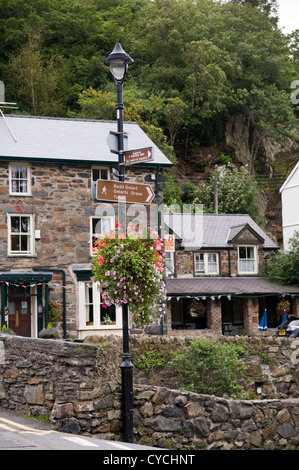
x: 118, y: 61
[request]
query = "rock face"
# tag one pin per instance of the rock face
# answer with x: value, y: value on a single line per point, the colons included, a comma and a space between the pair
x: 250, y: 146
x: 71, y: 383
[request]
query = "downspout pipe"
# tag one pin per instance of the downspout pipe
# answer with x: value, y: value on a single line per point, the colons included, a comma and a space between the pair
x: 61, y: 271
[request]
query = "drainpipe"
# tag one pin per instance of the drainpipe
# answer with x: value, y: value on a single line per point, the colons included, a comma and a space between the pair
x: 63, y: 292
x: 229, y: 262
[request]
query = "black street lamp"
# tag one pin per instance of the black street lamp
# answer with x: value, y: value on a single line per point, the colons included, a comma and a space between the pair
x: 118, y: 62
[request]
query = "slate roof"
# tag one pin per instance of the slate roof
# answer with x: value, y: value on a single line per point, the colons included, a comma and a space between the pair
x: 226, y: 286
x: 212, y: 230
x: 72, y: 140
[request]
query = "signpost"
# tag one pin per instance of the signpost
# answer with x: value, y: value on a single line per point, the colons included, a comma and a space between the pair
x: 115, y: 191
x: 112, y: 141
x: 138, y: 156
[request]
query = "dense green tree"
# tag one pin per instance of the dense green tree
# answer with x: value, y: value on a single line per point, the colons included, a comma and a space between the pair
x: 197, y: 63
x: 236, y: 192
x: 284, y: 267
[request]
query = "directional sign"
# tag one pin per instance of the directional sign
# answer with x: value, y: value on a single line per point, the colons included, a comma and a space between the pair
x: 112, y: 141
x: 138, y: 156
x: 130, y: 192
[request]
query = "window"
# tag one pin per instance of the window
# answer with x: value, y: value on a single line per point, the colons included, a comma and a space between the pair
x: 169, y: 263
x: 206, y: 263
x: 247, y: 259
x: 100, y: 174
x: 100, y: 225
x: 20, y: 180
x: 92, y: 313
x: 20, y: 239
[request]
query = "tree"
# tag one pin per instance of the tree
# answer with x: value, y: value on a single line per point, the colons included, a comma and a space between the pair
x: 37, y: 82
x: 284, y: 267
x: 237, y: 192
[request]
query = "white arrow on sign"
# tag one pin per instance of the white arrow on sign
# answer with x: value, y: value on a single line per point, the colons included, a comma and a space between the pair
x: 138, y: 156
x: 150, y: 194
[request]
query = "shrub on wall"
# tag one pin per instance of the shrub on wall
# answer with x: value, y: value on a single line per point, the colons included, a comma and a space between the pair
x: 210, y: 367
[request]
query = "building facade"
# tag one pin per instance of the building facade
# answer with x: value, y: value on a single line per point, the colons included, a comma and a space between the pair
x: 290, y: 214
x: 215, y: 280
x: 49, y: 217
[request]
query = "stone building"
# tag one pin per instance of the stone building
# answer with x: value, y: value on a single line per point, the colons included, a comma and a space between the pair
x: 49, y: 216
x: 215, y: 273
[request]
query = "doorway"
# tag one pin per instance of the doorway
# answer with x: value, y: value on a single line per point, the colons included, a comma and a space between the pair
x: 19, y: 310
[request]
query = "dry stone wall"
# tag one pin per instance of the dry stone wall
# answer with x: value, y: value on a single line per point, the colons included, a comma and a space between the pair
x: 78, y: 386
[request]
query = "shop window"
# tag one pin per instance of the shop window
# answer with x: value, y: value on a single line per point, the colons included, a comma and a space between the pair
x: 93, y: 314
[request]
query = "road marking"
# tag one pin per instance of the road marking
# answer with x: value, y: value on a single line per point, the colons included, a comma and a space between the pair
x: 80, y: 441
x: 24, y: 429
x: 120, y: 446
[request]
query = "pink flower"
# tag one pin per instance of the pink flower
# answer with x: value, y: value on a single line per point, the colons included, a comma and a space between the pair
x: 100, y: 260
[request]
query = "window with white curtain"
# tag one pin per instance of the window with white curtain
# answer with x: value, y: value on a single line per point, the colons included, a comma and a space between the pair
x: 247, y: 260
x: 19, y: 180
x: 206, y: 263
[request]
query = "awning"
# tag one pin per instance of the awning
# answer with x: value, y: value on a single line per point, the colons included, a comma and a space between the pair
x: 218, y: 286
x: 25, y: 277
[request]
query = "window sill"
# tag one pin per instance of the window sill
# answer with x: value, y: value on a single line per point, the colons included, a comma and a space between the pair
x: 248, y: 274
x: 21, y: 255
x: 206, y: 274
x: 20, y: 195
x: 99, y: 328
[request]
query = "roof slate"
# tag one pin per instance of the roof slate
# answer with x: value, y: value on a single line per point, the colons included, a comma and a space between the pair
x: 215, y: 229
x: 226, y: 286
x: 73, y: 140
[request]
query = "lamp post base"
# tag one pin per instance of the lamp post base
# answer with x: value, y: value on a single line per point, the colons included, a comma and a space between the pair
x: 127, y: 398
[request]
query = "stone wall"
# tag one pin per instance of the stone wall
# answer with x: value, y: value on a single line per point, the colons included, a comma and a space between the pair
x: 78, y: 385
x: 180, y: 420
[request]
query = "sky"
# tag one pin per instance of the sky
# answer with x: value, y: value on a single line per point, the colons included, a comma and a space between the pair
x: 288, y: 14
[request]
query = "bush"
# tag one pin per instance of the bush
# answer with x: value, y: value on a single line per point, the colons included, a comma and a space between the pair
x: 210, y: 367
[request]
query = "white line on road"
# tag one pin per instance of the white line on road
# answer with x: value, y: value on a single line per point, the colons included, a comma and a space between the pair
x: 120, y: 446
x: 80, y: 441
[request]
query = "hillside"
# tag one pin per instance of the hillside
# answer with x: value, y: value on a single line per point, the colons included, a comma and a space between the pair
x: 211, y: 81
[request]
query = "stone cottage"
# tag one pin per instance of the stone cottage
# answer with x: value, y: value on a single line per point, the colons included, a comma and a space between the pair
x: 49, y: 216
x: 214, y: 279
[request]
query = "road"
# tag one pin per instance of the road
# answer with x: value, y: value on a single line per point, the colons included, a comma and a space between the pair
x: 20, y: 433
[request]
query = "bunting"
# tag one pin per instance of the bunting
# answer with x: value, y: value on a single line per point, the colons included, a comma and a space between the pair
x: 218, y: 297
x: 25, y: 286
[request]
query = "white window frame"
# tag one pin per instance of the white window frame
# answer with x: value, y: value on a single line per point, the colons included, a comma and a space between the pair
x: 203, y: 259
x: 169, y: 260
x: 101, y: 232
x: 28, y: 179
x: 254, y: 260
x: 97, y: 302
x: 30, y: 234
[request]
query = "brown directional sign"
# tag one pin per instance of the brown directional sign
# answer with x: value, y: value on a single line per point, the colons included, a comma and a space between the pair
x: 138, y: 156
x: 130, y: 192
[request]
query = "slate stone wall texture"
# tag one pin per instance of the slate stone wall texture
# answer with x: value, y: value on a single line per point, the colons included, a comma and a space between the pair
x: 78, y: 385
